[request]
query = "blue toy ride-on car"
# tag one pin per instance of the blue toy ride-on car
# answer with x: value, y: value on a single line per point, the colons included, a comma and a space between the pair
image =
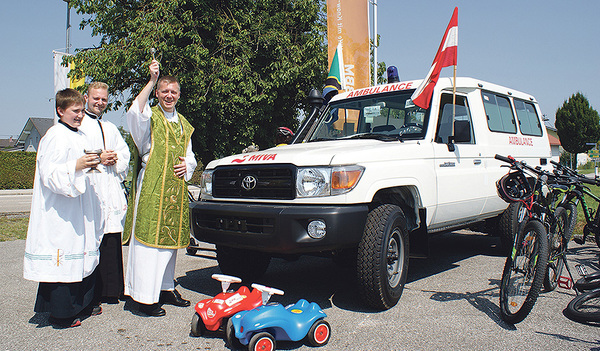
x: 260, y: 327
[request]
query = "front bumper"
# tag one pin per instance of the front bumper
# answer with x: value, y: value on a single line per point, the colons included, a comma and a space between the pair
x: 276, y: 228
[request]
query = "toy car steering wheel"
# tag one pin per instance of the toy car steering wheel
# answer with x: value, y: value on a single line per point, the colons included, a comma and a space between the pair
x: 226, y: 280
x: 266, y: 292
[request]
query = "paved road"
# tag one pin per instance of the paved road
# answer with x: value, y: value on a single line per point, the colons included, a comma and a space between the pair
x: 15, y: 201
x: 450, y: 303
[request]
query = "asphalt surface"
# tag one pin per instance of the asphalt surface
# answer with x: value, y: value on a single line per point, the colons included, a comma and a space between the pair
x: 450, y: 303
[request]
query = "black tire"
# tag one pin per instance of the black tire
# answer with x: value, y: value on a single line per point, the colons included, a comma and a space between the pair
x: 230, y: 338
x: 198, y: 328
x: 524, y: 273
x: 558, y: 240
x: 319, y: 333
x: 589, y: 282
x: 382, y: 260
x: 249, y: 265
x: 585, y: 308
x: 258, y: 340
x: 507, y: 227
x: 571, y: 209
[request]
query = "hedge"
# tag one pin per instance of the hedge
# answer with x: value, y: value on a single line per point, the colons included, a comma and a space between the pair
x: 17, y: 169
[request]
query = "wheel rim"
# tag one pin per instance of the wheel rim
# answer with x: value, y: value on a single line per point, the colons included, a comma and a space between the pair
x: 395, y: 257
x: 264, y: 344
x: 321, y: 333
x: 521, y: 276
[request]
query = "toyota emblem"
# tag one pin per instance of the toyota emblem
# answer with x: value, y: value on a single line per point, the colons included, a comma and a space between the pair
x: 249, y: 182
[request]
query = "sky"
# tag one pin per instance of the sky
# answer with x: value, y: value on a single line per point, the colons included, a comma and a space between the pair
x: 549, y: 49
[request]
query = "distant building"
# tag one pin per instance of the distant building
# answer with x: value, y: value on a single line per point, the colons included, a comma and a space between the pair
x: 7, y: 144
x: 34, y: 130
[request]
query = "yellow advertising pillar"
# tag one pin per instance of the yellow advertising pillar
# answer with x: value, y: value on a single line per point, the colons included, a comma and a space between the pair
x: 347, y: 23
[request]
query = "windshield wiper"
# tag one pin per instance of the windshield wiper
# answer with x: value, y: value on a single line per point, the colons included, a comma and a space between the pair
x: 320, y: 139
x: 376, y: 136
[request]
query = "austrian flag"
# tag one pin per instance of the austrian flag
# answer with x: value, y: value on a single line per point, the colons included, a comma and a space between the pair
x: 446, y: 56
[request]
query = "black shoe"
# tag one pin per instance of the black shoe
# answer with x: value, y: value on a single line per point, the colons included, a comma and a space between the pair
x: 96, y: 310
x: 63, y: 323
x: 173, y: 298
x: 153, y: 310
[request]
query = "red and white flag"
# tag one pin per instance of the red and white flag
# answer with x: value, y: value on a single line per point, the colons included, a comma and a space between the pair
x: 446, y: 56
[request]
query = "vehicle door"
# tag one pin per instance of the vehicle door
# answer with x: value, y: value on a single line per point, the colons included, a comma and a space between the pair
x: 458, y: 164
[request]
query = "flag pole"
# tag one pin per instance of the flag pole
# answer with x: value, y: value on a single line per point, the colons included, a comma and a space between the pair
x: 454, y: 94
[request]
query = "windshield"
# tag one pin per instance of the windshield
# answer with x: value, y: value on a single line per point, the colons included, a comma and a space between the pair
x: 385, y: 117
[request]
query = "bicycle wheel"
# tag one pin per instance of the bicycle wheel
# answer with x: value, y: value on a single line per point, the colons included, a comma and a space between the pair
x: 589, y: 282
x: 558, y: 240
x: 585, y: 308
x: 572, y: 219
x: 523, y: 273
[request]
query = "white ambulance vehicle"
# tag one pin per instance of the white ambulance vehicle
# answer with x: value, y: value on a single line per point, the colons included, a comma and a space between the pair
x: 369, y: 178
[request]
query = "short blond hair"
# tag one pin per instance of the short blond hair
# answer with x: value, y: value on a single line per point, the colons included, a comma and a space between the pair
x: 97, y: 85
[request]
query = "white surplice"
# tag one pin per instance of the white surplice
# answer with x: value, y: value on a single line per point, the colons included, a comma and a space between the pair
x: 149, y: 269
x: 66, y: 221
x: 110, y: 178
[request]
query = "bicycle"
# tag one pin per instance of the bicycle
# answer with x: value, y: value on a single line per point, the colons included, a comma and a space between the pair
x: 525, y: 267
x: 576, y: 194
x: 585, y: 307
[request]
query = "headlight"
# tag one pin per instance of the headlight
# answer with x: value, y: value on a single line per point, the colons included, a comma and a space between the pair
x: 325, y: 181
x: 206, y: 183
x: 313, y: 182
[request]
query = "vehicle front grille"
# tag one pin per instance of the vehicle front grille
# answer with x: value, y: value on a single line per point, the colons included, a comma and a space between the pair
x: 240, y: 224
x: 255, y: 182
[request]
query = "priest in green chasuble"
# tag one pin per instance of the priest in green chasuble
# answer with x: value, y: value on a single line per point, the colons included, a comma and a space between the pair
x: 164, y: 161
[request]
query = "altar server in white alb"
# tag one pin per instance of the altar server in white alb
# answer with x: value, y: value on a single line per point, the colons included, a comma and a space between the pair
x: 66, y: 221
x: 157, y: 221
x: 104, y: 135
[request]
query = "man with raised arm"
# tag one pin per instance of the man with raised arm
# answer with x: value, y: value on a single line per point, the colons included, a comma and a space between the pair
x: 157, y: 221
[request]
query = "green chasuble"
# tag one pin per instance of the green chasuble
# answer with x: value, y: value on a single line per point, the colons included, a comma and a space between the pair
x: 162, y: 219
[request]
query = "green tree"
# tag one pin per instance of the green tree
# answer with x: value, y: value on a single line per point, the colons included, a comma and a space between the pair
x: 577, y: 124
x: 245, y: 66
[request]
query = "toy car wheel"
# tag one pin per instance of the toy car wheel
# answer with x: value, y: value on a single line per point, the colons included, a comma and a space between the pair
x: 319, y: 333
x: 262, y: 342
x: 230, y: 338
x: 198, y: 327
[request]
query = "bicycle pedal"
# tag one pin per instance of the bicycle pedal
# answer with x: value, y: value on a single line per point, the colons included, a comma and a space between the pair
x: 581, y: 270
x: 565, y: 282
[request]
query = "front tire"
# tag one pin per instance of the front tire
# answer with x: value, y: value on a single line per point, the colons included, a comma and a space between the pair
x: 382, y: 260
x: 524, y: 273
x: 198, y: 328
x: 558, y: 239
x: 585, y: 308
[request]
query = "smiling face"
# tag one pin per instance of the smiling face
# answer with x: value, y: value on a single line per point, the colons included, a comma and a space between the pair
x: 167, y: 94
x: 96, y: 100
x: 72, y: 115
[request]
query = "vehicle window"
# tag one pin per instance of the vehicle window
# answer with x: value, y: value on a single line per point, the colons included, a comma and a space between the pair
x: 445, y: 121
x: 529, y: 122
x: 499, y: 114
x: 385, y: 117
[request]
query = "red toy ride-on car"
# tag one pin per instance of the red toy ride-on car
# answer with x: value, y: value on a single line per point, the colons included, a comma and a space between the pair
x: 213, y: 313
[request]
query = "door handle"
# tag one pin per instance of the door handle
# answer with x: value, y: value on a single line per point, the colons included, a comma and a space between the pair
x: 477, y: 162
